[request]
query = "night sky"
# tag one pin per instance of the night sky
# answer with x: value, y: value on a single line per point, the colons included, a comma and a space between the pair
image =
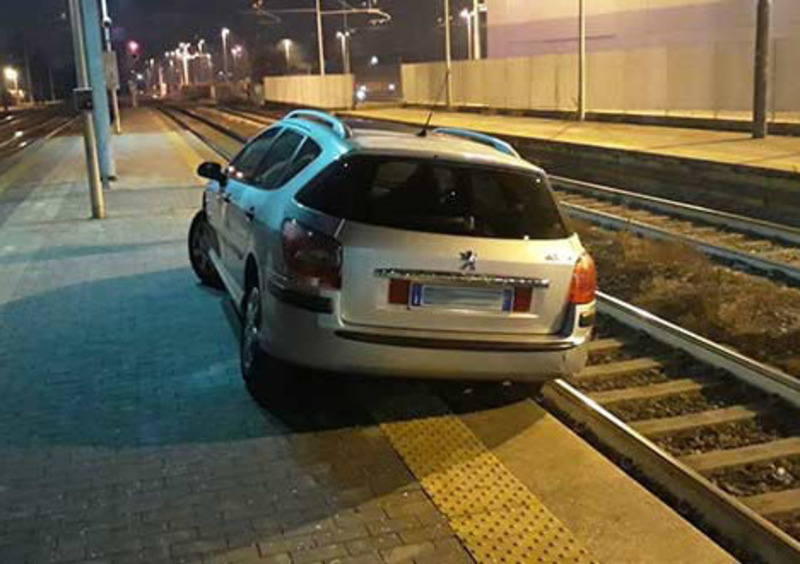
x: 42, y: 26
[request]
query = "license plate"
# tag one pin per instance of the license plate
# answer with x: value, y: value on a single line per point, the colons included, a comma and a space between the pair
x: 474, y: 299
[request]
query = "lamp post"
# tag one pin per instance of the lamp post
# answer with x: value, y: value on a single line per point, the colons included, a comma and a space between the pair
x: 237, y: 54
x: 344, y: 37
x: 225, y: 32
x: 287, y: 51
x: 467, y: 17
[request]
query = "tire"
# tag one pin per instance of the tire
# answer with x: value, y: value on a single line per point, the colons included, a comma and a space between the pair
x: 201, y: 240
x: 257, y: 367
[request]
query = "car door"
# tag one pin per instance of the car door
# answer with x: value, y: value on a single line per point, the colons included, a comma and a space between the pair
x: 251, y: 195
x: 240, y: 174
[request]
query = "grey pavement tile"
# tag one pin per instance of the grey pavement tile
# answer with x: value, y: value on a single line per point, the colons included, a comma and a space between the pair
x: 126, y: 434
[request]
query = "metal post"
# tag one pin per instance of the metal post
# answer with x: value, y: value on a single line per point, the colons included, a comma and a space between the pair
x: 761, y: 87
x: 470, y: 38
x: 28, y: 77
x: 97, y: 78
x: 225, y: 32
x: 581, y: 60
x: 89, y: 141
x: 476, y: 31
x: 110, y: 49
x: 447, y: 55
x: 320, y: 40
x: 52, y: 85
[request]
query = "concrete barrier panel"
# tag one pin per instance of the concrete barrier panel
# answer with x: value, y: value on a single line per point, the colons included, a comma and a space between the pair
x: 333, y: 91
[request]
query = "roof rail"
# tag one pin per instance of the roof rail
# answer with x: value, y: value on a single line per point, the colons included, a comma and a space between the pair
x: 338, y: 126
x: 481, y: 138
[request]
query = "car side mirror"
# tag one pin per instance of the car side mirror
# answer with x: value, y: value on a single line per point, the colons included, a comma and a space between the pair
x: 212, y: 171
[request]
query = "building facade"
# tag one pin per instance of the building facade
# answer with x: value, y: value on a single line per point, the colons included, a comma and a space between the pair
x: 535, y: 27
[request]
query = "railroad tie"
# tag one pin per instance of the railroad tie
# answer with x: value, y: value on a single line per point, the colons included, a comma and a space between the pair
x: 652, y: 392
x: 714, y: 460
x: 660, y: 427
x: 616, y: 369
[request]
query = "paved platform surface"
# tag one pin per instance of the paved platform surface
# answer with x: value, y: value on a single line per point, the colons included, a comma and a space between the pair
x: 127, y: 436
x: 775, y: 152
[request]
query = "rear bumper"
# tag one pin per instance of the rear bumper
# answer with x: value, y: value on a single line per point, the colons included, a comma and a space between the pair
x: 321, y: 341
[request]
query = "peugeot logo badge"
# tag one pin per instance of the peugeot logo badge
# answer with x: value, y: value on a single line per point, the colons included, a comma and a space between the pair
x: 469, y: 260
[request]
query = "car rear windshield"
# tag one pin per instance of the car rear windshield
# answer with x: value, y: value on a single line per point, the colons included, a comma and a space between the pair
x: 437, y: 197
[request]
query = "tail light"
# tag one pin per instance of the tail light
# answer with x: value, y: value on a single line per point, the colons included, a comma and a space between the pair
x: 584, y: 281
x: 312, y: 257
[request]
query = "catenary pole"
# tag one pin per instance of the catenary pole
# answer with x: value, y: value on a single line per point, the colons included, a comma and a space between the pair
x: 90, y: 144
x: 476, y: 30
x: 97, y: 79
x: 581, y: 60
x: 320, y: 40
x: 761, y: 76
x: 448, y: 59
x: 112, y: 88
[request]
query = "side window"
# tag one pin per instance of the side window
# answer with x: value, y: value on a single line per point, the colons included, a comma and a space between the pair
x: 245, y: 165
x: 277, y: 160
x: 305, y: 156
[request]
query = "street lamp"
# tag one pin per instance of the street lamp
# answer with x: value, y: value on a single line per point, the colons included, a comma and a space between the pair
x: 344, y: 36
x: 225, y: 33
x: 287, y: 51
x: 467, y: 16
x: 12, y: 75
x: 200, y: 45
x: 237, y: 53
x: 183, y: 54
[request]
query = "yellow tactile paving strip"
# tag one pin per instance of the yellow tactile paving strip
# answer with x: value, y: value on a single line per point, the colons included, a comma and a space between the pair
x: 494, y: 515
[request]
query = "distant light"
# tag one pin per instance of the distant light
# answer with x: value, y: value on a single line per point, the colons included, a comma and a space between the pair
x: 133, y: 46
x: 361, y: 95
x: 466, y: 14
x: 10, y: 73
x: 373, y: 61
x: 139, y: 77
x: 225, y: 32
x: 18, y: 134
x: 392, y: 87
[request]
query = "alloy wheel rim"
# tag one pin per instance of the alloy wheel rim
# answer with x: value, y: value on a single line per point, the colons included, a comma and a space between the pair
x: 250, y: 336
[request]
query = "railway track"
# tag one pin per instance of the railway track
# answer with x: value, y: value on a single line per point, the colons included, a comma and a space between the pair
x: 756, y: 245
x: 21, y: 132
x: 716, y: 433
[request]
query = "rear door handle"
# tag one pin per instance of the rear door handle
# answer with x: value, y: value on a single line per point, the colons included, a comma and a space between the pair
x: 250, y: 214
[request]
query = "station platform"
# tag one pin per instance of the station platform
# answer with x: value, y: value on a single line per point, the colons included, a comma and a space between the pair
x: 775, y: 153
x: 126, y: 434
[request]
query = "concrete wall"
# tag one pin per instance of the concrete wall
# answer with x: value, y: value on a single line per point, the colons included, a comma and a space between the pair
x: 333, y: 91
x: 681, y: 78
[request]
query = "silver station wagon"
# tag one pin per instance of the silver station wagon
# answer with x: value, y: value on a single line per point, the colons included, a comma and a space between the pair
x: 441, y: 254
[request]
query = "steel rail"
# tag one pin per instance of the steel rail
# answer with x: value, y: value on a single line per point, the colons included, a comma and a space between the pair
x: 723, y: 512
x: 169, y: 112
x: 37, y: 141
x: 743, y: 224
x: 726, y: 254
x: 253, y: 117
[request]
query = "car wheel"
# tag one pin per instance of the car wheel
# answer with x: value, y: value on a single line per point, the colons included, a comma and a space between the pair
x: 201, y: 240
x: 256, y: 365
